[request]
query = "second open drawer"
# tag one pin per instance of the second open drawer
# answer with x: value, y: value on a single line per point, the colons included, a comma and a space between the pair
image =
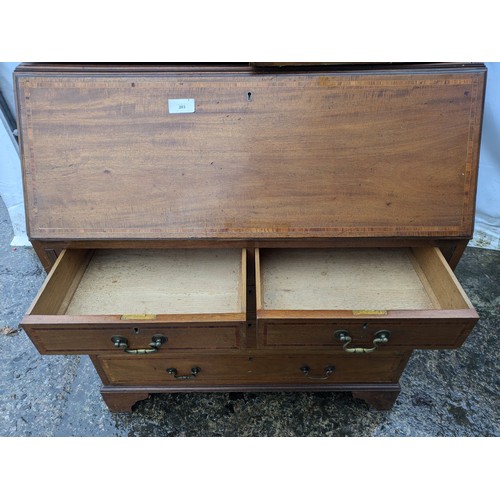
x: 360, y: 299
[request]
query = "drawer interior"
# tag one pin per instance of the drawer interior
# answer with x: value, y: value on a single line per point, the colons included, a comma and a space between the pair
x: 358, y: 279
x: 145, y: 282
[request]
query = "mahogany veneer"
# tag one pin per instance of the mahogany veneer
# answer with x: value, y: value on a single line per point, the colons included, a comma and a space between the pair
x: 249, y: 227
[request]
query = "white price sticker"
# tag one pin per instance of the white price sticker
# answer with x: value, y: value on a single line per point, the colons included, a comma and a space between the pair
x: 176, y: 106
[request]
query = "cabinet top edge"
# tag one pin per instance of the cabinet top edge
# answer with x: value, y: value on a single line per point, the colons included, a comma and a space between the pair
x: 240, y: 68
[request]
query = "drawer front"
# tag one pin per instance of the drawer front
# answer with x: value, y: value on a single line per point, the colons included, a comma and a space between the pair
x: 212, y: 371
x: 401, y: 334
x: 95, y: 339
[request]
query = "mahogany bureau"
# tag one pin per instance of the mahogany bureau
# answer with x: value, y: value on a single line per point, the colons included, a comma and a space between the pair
x: 244, y: 228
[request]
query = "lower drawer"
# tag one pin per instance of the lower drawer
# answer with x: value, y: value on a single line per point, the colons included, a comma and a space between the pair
x: 213, y: 370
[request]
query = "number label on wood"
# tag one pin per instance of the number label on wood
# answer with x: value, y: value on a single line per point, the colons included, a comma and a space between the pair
x: 176, y: 106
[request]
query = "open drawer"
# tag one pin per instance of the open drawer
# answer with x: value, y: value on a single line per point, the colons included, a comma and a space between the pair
x: 140, y: 302
x: 360, y: 300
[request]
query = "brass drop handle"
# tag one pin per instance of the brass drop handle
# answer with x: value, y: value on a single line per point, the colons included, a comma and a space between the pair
x: 194, y: 371
x: 122, y: 343
x: 381, y: 337
x: 328, y: 370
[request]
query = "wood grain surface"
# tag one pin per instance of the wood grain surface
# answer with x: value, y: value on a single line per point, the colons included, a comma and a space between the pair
x: 271, y: 158
x: 253, y: 368
x: 160, y: 282
x: 341, y: 279
x: 305, y: 296
x: 322, y: 154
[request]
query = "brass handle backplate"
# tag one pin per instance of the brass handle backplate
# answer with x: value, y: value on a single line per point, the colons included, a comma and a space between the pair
x: 194, y: 371
x: 380, y: 337
x: 328, y: 370
x: 122, y: 343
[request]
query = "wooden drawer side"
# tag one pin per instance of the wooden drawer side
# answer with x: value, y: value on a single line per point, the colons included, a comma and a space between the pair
x: 61, y: 283
x: 439, y: 279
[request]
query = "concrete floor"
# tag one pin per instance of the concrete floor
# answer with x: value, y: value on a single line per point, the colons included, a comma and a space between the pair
x: 444, y: 393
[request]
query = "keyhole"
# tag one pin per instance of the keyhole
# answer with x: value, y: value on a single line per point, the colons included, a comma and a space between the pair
x: 249, y: 96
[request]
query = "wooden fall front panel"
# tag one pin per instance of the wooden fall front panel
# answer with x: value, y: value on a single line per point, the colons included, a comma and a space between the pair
x: 283, y: 155
x: 164, y: 222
